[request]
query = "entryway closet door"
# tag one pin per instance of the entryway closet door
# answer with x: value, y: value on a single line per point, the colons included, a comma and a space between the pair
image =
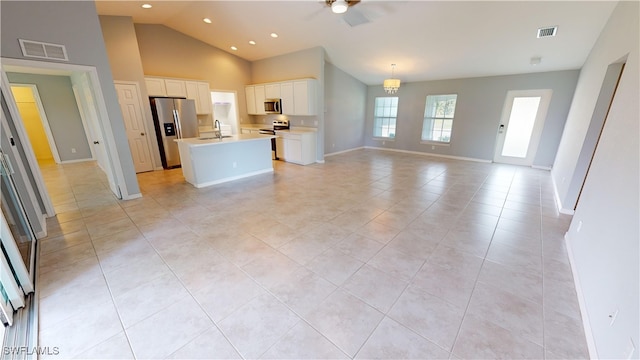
x: 521, y: 126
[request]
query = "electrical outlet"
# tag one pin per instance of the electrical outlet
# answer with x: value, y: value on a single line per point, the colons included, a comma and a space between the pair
x: 315, y: 123
x: 73, y: 150
x: 333, y: 145
x: 383, y: 143
x: 579, y: 226
x: 301, y: 122
x: 235, y: 164
x: 433, y: 147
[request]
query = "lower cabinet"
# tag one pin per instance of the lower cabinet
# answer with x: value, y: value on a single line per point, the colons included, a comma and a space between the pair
x: 297, y: 148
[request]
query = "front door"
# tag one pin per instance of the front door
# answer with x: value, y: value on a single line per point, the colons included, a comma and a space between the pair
x: 521, y: 126
x: 129, y: 99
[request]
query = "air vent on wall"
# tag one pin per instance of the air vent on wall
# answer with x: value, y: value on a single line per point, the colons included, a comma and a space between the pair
x: 42, y: 50
x: 547, y: 31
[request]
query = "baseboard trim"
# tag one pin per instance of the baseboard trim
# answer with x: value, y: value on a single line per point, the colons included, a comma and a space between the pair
x: 586, y: 324
x: 132, y: 196
x: 344, y: 151
x: 431, y: 154
x: 556, y: 197
x: 75, y: 161
x: 548, y: 168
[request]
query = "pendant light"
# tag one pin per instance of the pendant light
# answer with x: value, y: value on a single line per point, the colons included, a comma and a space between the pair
x: 391, y: 85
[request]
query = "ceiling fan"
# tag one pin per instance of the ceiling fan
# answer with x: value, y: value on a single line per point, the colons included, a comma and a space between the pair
x: 341, y: 6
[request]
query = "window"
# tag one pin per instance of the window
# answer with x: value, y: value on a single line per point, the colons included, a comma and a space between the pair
x: 438, y: 118
x: 384, y: 117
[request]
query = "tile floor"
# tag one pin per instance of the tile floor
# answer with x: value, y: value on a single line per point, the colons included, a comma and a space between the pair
x: 373, y: 254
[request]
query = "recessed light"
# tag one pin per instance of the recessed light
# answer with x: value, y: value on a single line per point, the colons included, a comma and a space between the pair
x: 274, y: 35
x: 146, y: 6
x: 207, y: 20
x: 234, y: 48
x: 252, y: 42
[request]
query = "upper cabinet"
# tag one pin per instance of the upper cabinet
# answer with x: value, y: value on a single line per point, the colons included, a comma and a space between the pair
x: 175, y: 88
x: 199, y: 91
x: 155, y: 87
x: 298, y: 97
x: 272, y: 91
x: 190, y: 89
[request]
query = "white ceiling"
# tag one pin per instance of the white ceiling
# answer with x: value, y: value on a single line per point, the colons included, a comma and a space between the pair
x: 428, y: 40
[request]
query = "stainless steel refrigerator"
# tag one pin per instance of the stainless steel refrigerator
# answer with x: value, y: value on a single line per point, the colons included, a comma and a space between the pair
x: 174, y: 118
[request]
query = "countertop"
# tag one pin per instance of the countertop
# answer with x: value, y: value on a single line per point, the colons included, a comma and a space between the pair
x: 256, y: 126
x: 226, y: 140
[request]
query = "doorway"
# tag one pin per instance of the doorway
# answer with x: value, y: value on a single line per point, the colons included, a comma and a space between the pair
x: 133, y: 116
x: 35, y: 122
x: 521, y: 126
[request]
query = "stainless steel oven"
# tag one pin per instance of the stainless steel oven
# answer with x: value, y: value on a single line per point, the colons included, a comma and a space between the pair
x: 276, y: 125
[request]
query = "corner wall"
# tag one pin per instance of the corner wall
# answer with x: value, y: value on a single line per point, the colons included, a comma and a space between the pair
x: 345, y: 103
x: 604, y: 236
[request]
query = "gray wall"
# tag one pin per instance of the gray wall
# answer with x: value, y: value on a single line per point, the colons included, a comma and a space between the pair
x: 604, y: 236
x: 345, y: 102
x: 478, y: 112
x: 62, y: 113
x: 73, y: 24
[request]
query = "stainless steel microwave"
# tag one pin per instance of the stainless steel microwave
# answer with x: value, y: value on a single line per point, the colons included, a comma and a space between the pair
x: 273, y: 106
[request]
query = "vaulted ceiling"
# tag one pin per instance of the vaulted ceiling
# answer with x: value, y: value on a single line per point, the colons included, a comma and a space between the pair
x: 428, y: 40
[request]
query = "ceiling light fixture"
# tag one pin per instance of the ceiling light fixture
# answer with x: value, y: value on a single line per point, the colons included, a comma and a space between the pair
x: 207, y: 20
x: 252, y: 42
x: 274, y: 35
x: 391, y: 85
x: 339, y: 6
x: 146, y: 6
x: 234, y: 48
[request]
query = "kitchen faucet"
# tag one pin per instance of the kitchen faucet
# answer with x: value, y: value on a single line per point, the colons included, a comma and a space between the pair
x: 219, y: 129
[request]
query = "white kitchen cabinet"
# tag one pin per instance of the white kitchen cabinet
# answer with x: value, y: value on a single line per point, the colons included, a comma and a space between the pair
x: 304, y: 97
x: 250, y: 96
x: 199, y: 91
x: 155, y: 87
x: 175, y: 88
x: 286, y: 94
x: 297, y: 147
x: 272, y: 91
x: 255, y: 95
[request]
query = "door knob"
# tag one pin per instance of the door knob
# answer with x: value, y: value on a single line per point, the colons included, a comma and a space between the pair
x: 96, y: 142
x: 501, y: 128
x: 141, y: 134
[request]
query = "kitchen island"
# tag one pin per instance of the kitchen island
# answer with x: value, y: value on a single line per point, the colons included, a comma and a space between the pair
x: 208, y: 161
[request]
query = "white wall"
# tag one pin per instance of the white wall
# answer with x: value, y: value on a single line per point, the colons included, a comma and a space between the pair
x: 604, y: 236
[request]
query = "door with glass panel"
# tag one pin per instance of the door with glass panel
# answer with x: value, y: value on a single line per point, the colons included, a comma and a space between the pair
x: 17, y: 244
x: 521, y: 126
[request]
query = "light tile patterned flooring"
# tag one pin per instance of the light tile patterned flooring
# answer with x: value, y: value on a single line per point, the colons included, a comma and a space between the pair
x: 373, y: 254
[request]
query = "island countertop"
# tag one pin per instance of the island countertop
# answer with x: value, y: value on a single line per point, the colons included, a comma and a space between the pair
x: 206, y: 141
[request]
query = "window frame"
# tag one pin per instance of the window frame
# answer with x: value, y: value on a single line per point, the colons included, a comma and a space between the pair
x: 395, y: 118
x: 436, y: 118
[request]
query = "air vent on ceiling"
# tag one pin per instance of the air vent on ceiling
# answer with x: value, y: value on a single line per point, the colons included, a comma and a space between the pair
x: 547, y: 31
x: 42, y: 50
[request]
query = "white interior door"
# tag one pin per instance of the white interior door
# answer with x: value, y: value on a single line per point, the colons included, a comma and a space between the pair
x: 131, y: 106
x: 521, y: 126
